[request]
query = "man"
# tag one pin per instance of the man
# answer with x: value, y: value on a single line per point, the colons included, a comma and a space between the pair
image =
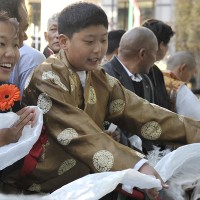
x: 51, y: 36
x: 163, y: 33
x: 181, y: 67
x: 114, y: 38
x: 29, y: 57
x: 136, y: 54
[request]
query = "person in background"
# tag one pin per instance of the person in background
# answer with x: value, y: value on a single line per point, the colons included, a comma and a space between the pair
x: 136, y: 54
x: 9, y: 94
x: 114, y: 38
x: 51, y: 36
x: 163, y: 33
x: 29, y: 57
x: 181, y: 67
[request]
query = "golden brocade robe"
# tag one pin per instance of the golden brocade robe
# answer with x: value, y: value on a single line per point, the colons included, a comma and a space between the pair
x: 74, y: 121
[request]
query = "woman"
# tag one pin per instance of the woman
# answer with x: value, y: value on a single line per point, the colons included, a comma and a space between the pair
x: 9, y: 94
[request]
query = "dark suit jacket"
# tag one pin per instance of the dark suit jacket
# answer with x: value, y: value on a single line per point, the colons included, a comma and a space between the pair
x: 115, y: 69
x: 160, y: 93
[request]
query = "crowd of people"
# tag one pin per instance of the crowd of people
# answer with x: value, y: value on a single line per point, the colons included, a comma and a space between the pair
x: 87, y: 78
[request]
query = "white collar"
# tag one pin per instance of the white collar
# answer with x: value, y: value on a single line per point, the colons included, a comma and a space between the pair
x: 134, y: 77
x: 82, y: 76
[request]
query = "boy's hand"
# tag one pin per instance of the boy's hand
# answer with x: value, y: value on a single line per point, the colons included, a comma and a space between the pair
x: 147, y: 169
x: 115, y: 135
x: 11, y: 135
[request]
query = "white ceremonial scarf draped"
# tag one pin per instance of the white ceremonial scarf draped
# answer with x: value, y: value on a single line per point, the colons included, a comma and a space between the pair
x: 181, y: 170
x: 15, y: 151
x: 90, y: 187
x: 187, y: 103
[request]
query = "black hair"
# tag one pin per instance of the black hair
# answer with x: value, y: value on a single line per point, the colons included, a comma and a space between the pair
x: 11, y: 7
x: 114, y: 38
x: 4, y: 17
x: 162, y: 31
x: 78, y: 16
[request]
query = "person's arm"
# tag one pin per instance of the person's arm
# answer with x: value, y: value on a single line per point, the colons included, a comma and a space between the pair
x: 151, y: 121
x: 72, y: 128
x: 187, y: 103
x: 12, y: 134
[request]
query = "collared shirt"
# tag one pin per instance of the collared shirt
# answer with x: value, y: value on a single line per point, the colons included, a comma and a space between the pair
x: 134, y: 77
x: 82, y: 76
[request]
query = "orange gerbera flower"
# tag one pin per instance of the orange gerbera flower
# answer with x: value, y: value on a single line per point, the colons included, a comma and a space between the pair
x: 8, y: 95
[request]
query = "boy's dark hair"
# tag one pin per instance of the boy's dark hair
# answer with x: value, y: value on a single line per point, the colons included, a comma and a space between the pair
x: 11, y: 7
x: 80, y: 15
x: 162, y: 31
x: 114, y: 38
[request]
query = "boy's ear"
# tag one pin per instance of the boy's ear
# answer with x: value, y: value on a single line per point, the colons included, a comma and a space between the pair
x: 63, y: 40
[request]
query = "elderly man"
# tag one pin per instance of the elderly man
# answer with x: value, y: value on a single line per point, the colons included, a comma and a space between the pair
x: 136, y: 54
x: 180, y: 68
x: 51, y: 36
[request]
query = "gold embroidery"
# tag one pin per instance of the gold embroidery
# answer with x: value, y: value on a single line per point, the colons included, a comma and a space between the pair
x: 44, y: 102
x: 28, y: 80
x: 72, y: 84
x: 92, y: 96
x: 66, y: 136
x: 35, y: 187
x: 181, y: 118
x: 66, y: 166
x: 156, y: 106
x: 139, y: 154
x: 54, y: 78
x: 111, y: 80
x: 151, y: 130
x: 103, y: 160
x: 116, y: 106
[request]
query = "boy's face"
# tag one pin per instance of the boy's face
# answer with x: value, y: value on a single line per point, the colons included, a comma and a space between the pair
x: 9, y: 52
x: 86, y: 48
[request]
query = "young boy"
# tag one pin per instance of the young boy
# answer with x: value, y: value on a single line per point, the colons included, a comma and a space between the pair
x: 9, y: 55
x: 77, y: 96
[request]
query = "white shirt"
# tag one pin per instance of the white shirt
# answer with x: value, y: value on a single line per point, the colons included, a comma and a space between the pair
x: 187, y: 103
x: 134, y: 77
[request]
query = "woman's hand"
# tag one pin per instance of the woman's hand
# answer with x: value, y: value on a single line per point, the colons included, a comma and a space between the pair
x: 12, y: 134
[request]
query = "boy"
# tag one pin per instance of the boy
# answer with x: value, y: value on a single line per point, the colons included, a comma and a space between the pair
x: 77, y: 96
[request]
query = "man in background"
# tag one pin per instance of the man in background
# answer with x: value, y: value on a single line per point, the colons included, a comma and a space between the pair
x: 181, y: 67
x: 51, y: 36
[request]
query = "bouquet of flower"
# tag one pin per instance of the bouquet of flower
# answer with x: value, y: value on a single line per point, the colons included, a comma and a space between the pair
x: 8, y: 95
